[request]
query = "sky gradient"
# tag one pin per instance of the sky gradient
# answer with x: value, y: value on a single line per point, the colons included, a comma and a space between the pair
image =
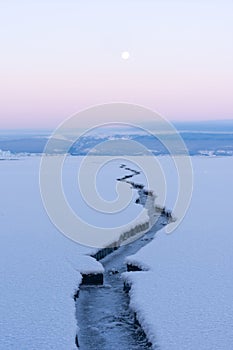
x: 58, y: 57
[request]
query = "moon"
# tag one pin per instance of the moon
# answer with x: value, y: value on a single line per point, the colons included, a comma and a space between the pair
x: 125, y: 55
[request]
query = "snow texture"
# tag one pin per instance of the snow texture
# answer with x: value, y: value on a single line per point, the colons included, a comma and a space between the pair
x: 109, y: 190
x: 38, y: 265
x: 37, y: 281
x: 185, y: 301
x: 86, y: 264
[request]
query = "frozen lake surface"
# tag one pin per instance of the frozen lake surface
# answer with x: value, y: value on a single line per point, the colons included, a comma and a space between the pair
x: 185, y: 299
x: 183, y: 302
x: 38, y: 265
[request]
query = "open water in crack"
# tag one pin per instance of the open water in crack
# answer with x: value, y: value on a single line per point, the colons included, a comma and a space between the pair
x: 104, y: 317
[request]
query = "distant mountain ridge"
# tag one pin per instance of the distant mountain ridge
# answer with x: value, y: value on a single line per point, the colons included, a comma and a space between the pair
x: 201, y: 138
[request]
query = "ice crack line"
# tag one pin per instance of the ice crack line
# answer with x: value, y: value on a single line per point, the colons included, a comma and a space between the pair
x: 103, y: 314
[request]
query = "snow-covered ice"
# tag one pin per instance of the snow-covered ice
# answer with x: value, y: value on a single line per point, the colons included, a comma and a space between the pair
x: 37, y: 281
x: 86, y: 264
x: 185, y: 299
x: 39, y: 267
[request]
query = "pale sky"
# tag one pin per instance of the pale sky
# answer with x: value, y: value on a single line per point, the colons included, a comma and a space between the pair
x: 60, y: 56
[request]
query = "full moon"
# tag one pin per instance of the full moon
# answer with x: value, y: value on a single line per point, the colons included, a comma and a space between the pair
x: 125, y: 55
